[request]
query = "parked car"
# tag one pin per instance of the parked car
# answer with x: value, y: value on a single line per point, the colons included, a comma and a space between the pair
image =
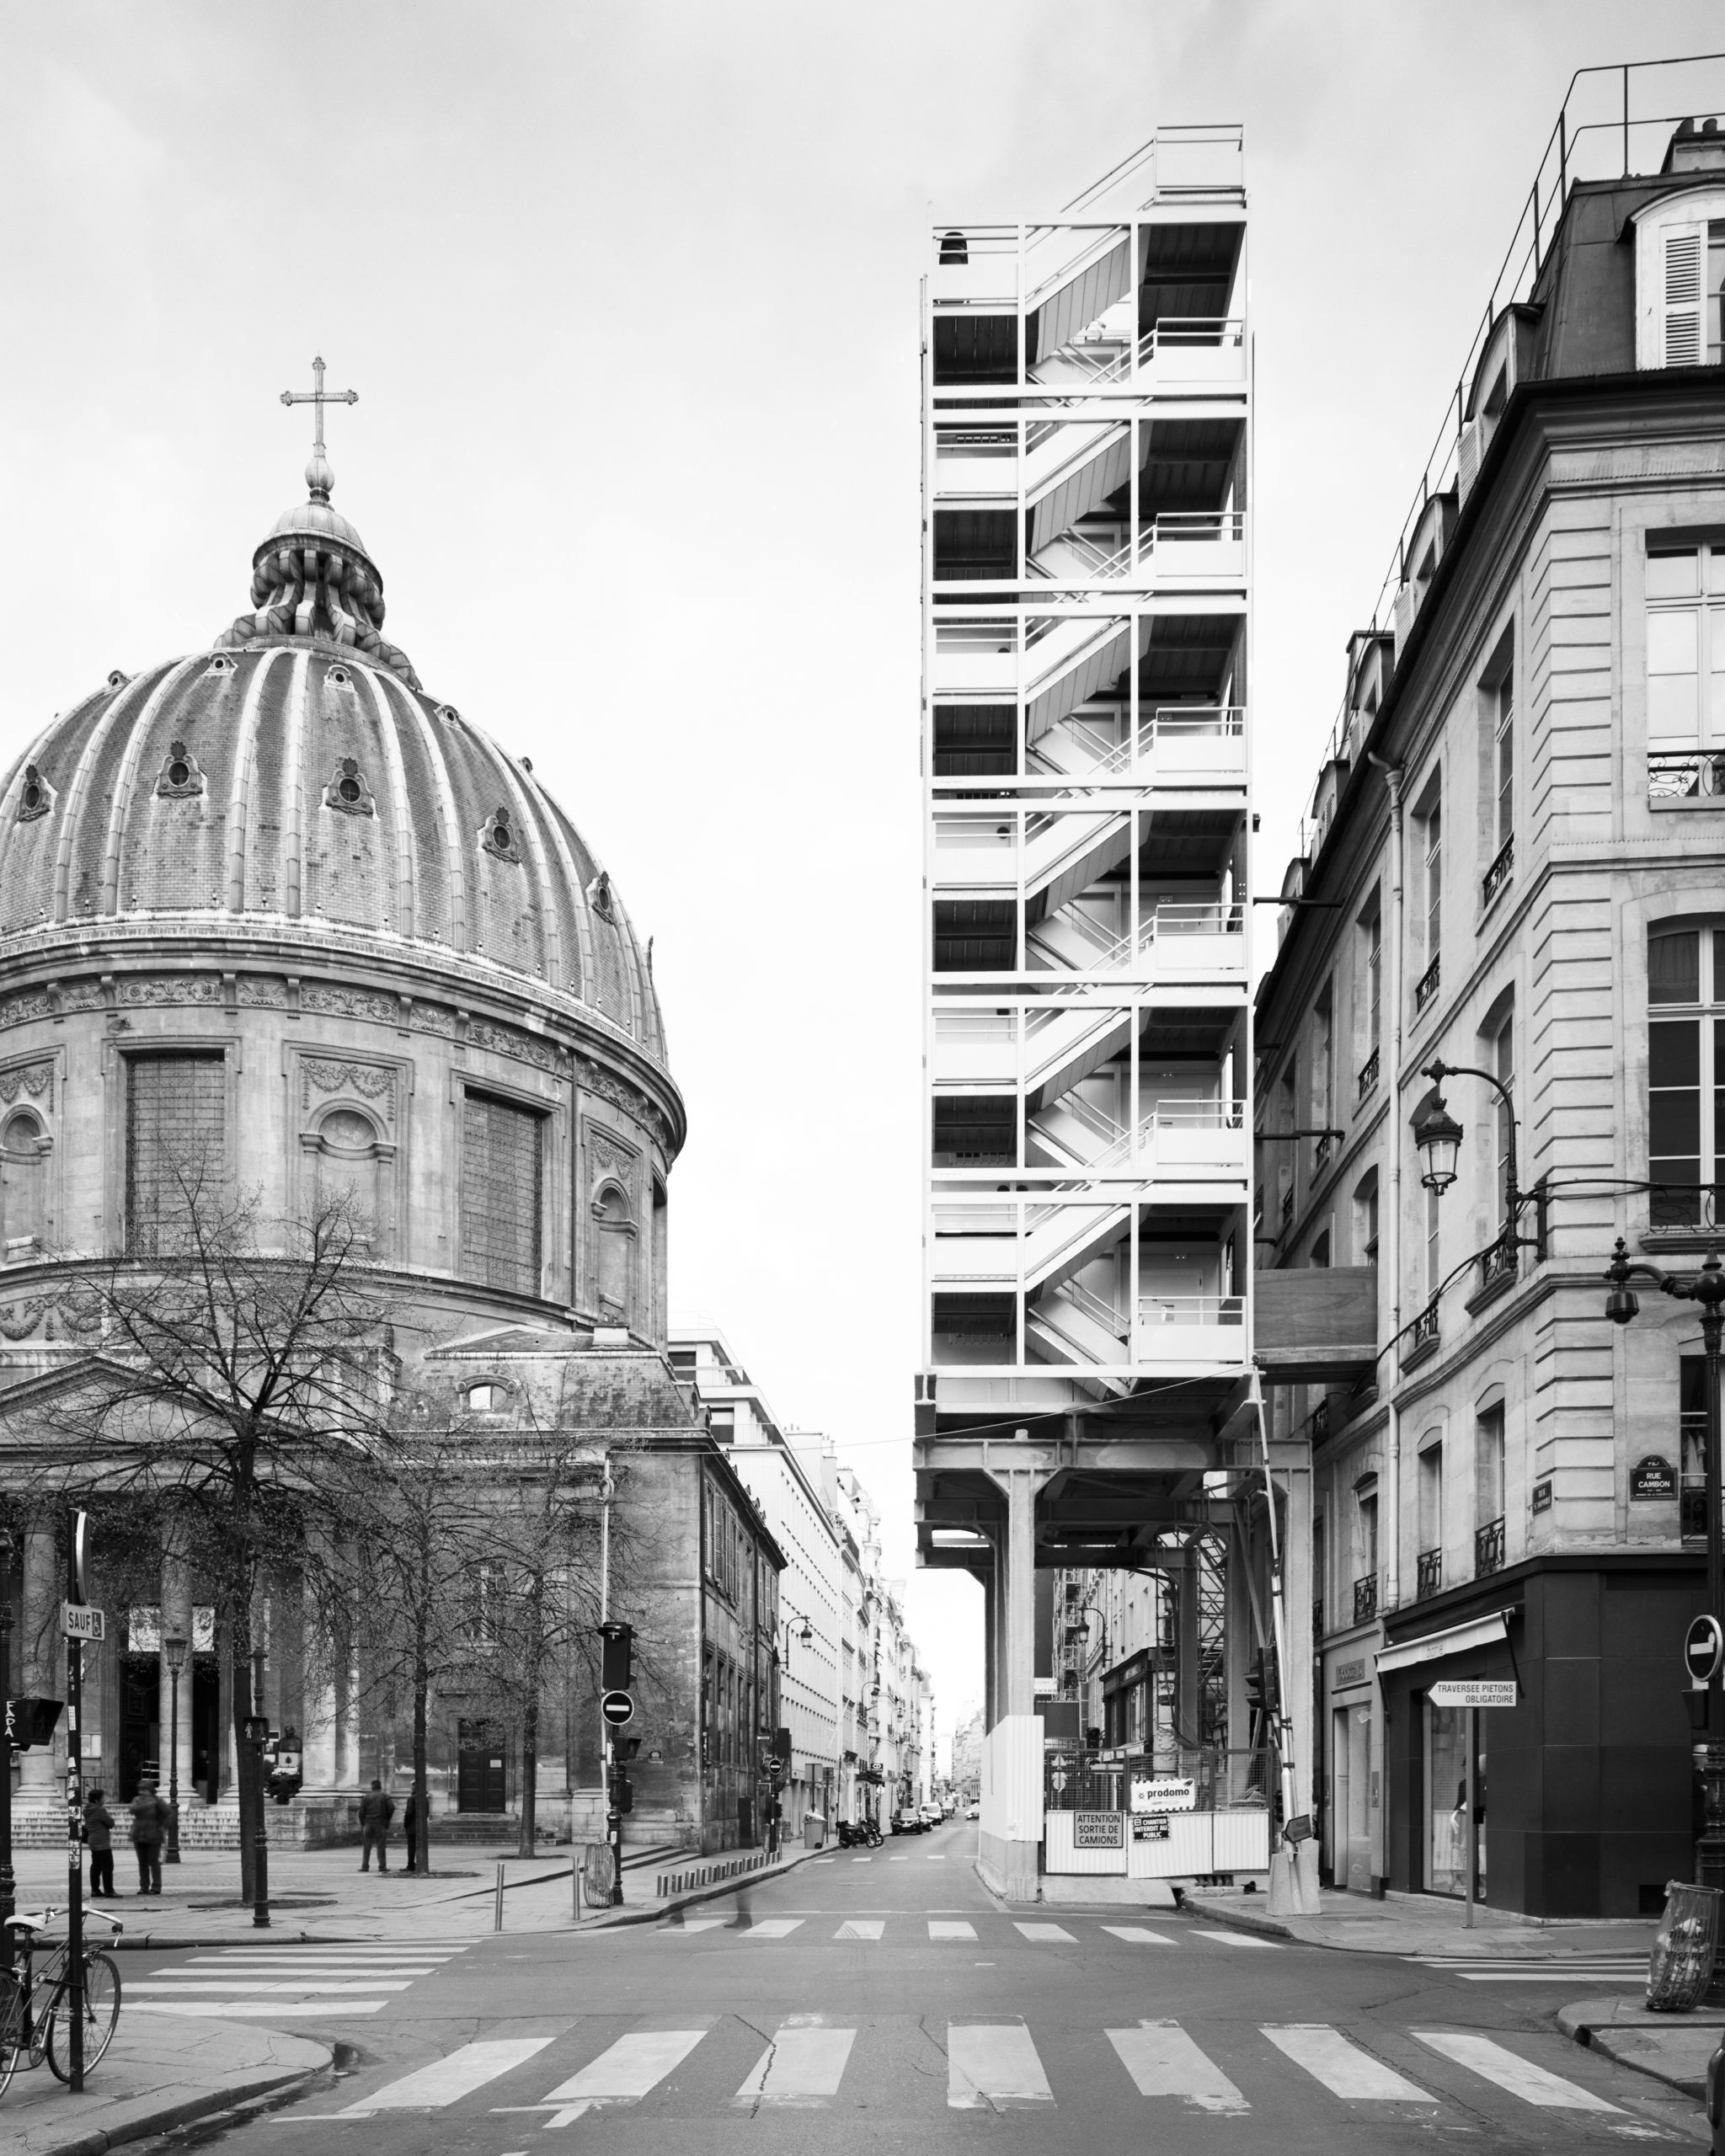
x: 906, y: 1821
x: 934, y: 1816
x: 972, y: 1811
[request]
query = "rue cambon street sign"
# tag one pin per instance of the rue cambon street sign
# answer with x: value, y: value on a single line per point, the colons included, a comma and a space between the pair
x: 1473, y: 1692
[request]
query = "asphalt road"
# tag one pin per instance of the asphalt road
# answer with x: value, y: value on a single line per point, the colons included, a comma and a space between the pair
x: 892, y: 2003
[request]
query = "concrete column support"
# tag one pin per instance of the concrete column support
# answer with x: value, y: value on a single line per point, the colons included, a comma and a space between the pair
x: 990, y: 1711
x: 42, y: 1659
x: 1011, y: 1837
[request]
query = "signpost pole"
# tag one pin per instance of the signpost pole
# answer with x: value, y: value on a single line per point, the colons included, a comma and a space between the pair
x: 1468, y: 1823
x: 74, y: 1814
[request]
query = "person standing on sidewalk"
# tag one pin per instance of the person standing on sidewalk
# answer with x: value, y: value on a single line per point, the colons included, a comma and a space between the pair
x: 99, y: 1833
x: 375, y: 1812
x: 149, y: 1815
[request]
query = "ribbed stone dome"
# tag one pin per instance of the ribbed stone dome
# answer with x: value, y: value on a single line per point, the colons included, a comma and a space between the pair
x: 296, y: 778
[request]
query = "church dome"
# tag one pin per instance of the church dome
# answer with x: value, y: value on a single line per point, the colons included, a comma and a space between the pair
x: 295, y: 782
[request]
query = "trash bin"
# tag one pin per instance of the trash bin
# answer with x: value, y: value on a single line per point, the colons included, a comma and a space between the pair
x: 813, y: 1830
x: 1681, y: 1963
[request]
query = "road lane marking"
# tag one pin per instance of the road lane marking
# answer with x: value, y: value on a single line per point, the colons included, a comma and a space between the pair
x: 804, y: 2064
x: 1344, y: 2069
x: 446, y: 2080
x: 826, y: 1860
x: 945, y: 1928
x: 256, y: 2009
x: 861, y: 1859
x: 898, y: 1860
x: 1046, y: 1931
x: 1163, y: 2061
x: 698, y: 1923
x: 772, y: 1928
x: 1559, y: 1977
x: 1508, y: 2070
x: 1231, y: 1938
x: 623, y: 2074
x: 935, y: 1856
x: 860, y: 1927
x: 993, y: 2066
x: 184, y: 1986
x: 1137, y: 1934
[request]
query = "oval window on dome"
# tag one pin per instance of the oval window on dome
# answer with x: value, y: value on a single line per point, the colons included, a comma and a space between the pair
x: 179, y: 772
x: 348, y: 791
x: 35, y: 797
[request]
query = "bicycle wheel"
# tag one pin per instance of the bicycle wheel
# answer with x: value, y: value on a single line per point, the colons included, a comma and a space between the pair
x: 101, y: 2013
x: 11, y: 2028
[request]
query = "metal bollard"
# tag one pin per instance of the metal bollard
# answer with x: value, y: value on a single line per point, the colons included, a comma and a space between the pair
x: 497, y: 1923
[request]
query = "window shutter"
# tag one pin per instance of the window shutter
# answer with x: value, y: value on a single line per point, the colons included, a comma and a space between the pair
x: 1683, y: 298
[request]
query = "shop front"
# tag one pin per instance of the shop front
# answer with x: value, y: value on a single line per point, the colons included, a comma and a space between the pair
x: 1584, y: 1795
x: 1351, y: 1825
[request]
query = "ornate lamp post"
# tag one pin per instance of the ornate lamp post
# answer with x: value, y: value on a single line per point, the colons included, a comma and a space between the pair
x: 1707, y: 1289
x: 173, y: 1647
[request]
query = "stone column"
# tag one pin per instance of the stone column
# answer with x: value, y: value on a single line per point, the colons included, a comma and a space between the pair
x: 991, y: 1712
x: 42, y: 1661
x: 1011, y: 1826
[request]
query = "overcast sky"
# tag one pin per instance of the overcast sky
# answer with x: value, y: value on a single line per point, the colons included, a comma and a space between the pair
x: 630, y: 296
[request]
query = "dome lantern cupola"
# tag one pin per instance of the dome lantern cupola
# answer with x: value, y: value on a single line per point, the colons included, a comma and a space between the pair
x: 312, y: 577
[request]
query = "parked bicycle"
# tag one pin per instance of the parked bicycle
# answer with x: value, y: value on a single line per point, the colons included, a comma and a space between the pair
x: 35, y: 2006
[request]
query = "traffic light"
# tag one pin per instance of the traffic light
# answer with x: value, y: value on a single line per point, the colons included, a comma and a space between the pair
x: 623, y: 1792
x: 31, y: 1721
x: 782, y: 1747
x: 629, y: 1747
x: 616, y: 1660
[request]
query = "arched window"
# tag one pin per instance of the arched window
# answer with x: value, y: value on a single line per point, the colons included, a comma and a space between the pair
x: 23, y: 1174
x: 616, y: 1228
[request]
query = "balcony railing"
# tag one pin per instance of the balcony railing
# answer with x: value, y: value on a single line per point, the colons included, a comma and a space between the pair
x: 1425, y: 988
x: 1321, y: 1154
x: 1191, y: 1310
x: 1686, y: 775
x: 1368, y: 1075
x: 1428, y: 1574
x: 1499, y: 1265
x: 1422, y: 1333
x: 1365, y: 1598
x: 1488, y: 1549
x: 1318, y: 1422
x: 1317, y: 1620
x: 1497, y: 875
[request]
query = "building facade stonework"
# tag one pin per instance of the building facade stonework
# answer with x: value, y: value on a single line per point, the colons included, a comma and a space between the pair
x: 1514, y: 863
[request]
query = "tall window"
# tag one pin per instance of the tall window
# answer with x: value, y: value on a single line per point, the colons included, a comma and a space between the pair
x: 1324, y: 1085
x: 1503, y: 763
x: 1686, y: 648
x: 1488, y: 1466
x: 502, y: 1150
x: 1434, y: 1260
x: 176, y: 1109
x: 1431, y: 1498
x: 1503, y: 1062
x: 1365, y: 1203
x: 23, y: 1176
x: 1685, y: 1073
x: 1374, y: 981
x: 1369, y: 1535
x: 1433, y: 881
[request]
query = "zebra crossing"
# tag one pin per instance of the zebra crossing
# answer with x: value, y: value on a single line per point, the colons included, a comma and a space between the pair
x: 277, y: 1983
x: 689, y: 2064
x: 1512, y: 1969
x: 900, y: 1929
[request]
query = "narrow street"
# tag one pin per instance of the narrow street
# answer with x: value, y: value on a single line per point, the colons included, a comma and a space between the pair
x: 889, y: 1992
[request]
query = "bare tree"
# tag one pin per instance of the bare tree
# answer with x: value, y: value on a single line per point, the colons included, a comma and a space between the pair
x: 234, y: 1362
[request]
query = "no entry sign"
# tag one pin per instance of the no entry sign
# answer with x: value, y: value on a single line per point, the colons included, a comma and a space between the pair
x: 618, y: 1708
x: 1703, y: 1648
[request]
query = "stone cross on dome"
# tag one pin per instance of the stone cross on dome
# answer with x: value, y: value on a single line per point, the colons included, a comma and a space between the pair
x: 319, y: 476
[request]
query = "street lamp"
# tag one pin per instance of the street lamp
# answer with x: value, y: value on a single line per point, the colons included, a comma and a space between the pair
x: 254, y: 1729
x: 173, y: 1647
x: 1707, y: 1289
x: 1438, y: 1136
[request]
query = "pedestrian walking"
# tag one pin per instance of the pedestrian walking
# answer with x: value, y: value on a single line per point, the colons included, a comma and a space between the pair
x: 99, y: 1834
x: 149, y: 1816
x: 375, y: 1812
x: 410, y: 1827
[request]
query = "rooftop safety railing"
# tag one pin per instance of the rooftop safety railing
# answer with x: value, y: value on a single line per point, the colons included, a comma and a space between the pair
x: 1601, y: 133
x: 1191, y: 1310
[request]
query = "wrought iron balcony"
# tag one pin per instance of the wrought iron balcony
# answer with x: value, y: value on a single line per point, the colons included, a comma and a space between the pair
x: 1321, y: 1154
x: 1425, y: 988
x: 1423, y: 1334
x: 1430, y: 1574
x: 1317, y: 1619
x: 1686, y: 775
x: 1488, y: 1549
x: 1318, y: 1422
x: 1499, y: 1265
x: 1365, y: 1598
x: 1499, y: 874
x: 1368, y: 1075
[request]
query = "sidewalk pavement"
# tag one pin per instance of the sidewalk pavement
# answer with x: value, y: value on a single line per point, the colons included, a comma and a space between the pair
x: 158, y: 2074
x: 323, y: 1895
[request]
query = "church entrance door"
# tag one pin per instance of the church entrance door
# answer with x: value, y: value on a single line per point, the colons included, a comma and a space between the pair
x: 479, y: 1766
x: 140, y: 1710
